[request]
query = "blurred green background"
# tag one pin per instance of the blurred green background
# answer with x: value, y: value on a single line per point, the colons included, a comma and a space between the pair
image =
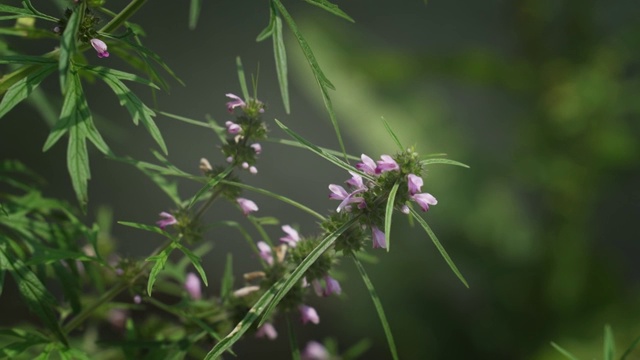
x: 540, y: 98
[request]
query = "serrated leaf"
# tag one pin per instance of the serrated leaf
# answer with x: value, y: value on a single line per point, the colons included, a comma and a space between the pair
x: 274, y: 294
x: 226, y: 285
x: 393, y: 134
x: 389, y: 213
x: 330, y: 7
x: 194, y: 13
x: 38, y: 299
x: 195, y: 261
x: 68, y: 44
x: 23, y: 88
x: 280, y: 54
x: 159, y: 260
x: 137, y: 109
x: 443, y: 161
x: 378, y: 305
x: 439, y: 246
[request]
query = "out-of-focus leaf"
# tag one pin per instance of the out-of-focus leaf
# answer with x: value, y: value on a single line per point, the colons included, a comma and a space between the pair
x: 26, y: 59
x: 393, y: 134
x: 609, y: 344
x: 241, y: 78
x: 443, y: 161
x: 330, y: 7
x: 226, y: 285
x: 23, y: 88
x: 564, y: 352
x: 268, y: 31
x: 194, y: 13
x: 159, y: 260
x: 280, y: 55
x: 38, y: 299
x: 389, y: 213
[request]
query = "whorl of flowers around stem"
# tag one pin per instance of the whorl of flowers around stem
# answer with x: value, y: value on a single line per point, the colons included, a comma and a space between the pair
x: 367, y: 194
x: 181, y: 222
x: 242, y: 145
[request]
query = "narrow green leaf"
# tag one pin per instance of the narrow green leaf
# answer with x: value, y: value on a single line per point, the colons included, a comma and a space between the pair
x: 356, y: 351
x: 210, y: 185
x: 143, y: 51
x: 38, y: 299
x: 378, y: 305
x: 439, y: 246
x: 609, y: 343
x: 160, y: 260
x: 443, y: 161
x: 268, y: 31
x: 330, y: 7
x: 275, y: 196
x: 241, y: 78
x: 68, y: 44
x: 137, y: 109
x: 226, y: 285
x: 51, y: 255
x: 299, y: 271
x: 393, y: 134
x: 389, y: 213
x: 150, y: 228
x: 315, y: 149
x: 195, y: 260
x: 22, y: 12
x: 194, y: 13
x: 297, y: 144
x: 280, y: 55
x: 27, y: 59
x: 121, y: 75
x: 631, y: 347
x: 70, y: 280
x: 564, y: 352
x: 78, y: 164
x: 23, y: 88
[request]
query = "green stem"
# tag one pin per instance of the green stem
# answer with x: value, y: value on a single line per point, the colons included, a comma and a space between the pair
x: 111, y: 293
x: 125, y: 14
x: 206, y: 205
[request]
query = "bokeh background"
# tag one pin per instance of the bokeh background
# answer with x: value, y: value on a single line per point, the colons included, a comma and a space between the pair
x: 540, y: 98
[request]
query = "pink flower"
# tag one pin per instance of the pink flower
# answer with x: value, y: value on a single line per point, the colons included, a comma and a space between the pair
x: 253, y: 170
x: 137, y: 299
x: 339, y: 193
x: 232, y: 128
x: 315, y: 351
x: 257, y: 148
x: 332, y: 286
x: 100, y: 47
x: 379, y: 240
x: 368, y: 166
x: 386, y: 164
x: 237, y: 101
x: 167, y: 221
x: 247, y: 206
x: 414, y: 183
x: 356, y: 181
x: 424, y: 200
x: 308, y: 314
x: 265, y: 252
x: 192, y: 285
x: 292, y: 237
x: 267, y: 330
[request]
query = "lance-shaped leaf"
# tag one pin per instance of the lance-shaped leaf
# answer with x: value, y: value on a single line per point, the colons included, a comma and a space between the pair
x: 194, y: 13
x: 159, y: 260
x: 389, y: 213
x: 330, y: 7
x: 68, y: 44
x: 195, y: 261
x: 280, y: 55
x: 23, y: 88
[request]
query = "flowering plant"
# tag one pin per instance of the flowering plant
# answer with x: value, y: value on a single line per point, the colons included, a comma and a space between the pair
x: 46, y: 241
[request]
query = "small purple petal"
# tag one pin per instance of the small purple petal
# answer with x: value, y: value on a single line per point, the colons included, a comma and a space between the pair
x: 137, y: 299
x: 333, y: 286
x: 386, y: 164
x: 292, y: 237
x: 247, y: 206
x: 267, y: 330
x: 356, y: 181
x: 167, y: 221
x: 257, y: 148
x: 339, y: 193
x: 237, y: 101
x: 424, y: 200
x: 315, y: 351
x: 232, y: 128
x: 379, y: 240
x: 265, y: 252
x: 308, y: 314
x: 368, y: 166
x: 100, y: 47
x: 192, y: 285
x: 414, y: 183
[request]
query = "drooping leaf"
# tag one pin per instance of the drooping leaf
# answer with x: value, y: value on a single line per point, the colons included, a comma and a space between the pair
x: 330, y: 7
x: 378, y: 305
x: 159, y: 261
x: 268, y: 31
x: 439, y: 246
x: 195, y: 261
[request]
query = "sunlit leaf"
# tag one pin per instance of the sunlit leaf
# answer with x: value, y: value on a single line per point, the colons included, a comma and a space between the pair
x: 194, y: 13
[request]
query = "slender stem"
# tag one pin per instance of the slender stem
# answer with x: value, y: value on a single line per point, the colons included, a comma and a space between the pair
x: 111, y: 293
x: 206, y: 205
x: 125, y: 14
